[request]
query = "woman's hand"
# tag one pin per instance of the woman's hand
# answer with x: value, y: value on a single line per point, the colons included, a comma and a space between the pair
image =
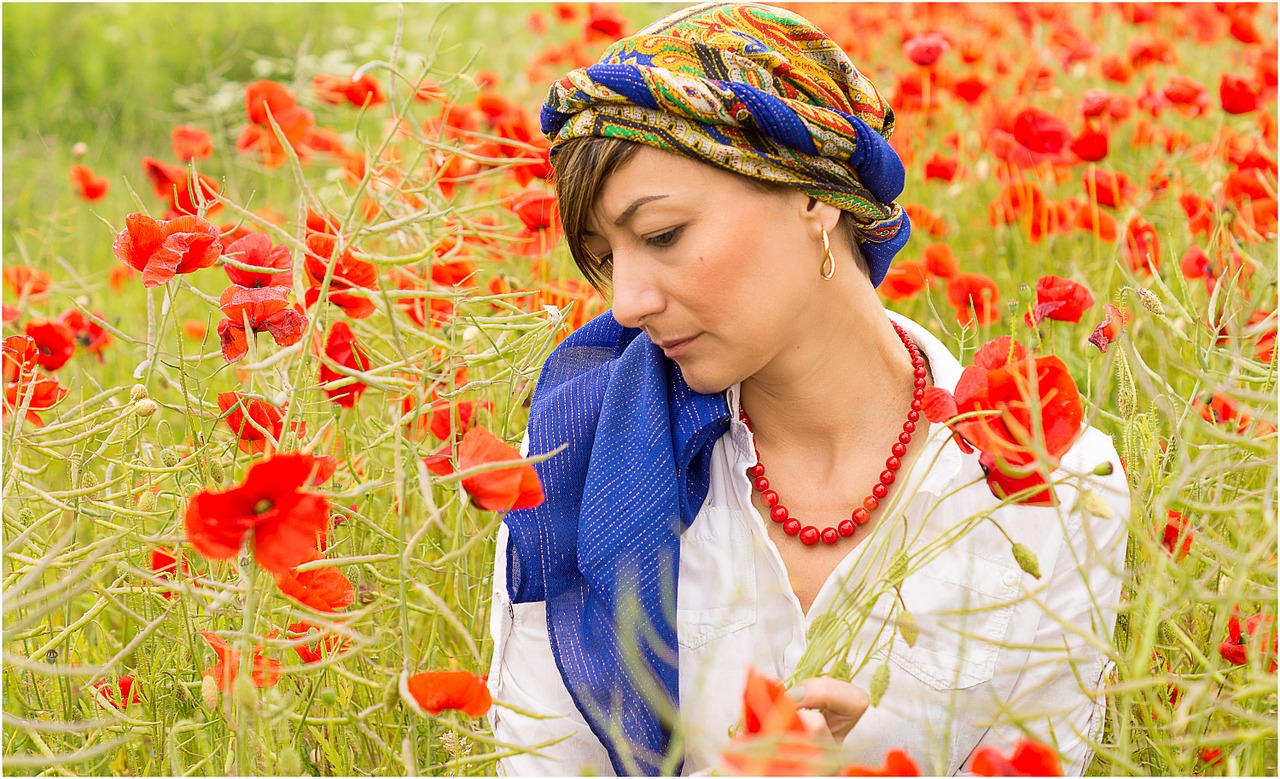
x: 831, y: 704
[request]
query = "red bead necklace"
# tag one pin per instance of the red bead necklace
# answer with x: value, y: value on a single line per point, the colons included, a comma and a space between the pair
x: 810, y: 535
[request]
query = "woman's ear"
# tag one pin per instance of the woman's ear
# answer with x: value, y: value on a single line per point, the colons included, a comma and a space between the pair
x: 821, y: 216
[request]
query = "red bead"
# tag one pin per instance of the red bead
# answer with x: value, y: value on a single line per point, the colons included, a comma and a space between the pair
x: 762, y: 484
x: 846, y: 528
x: 779, y: 514
x: 899, y: 449
x: 920, y: 372
x: 893, y: 463
x: 913, y: 415
x: 791, y: 527
x: 920, y: 383
x: 809, y: 536
x: 770, y: 498
x: 861, y: 515
x: 904, y: 438
x: 907, y: 427
x: 879, y: 491
x: 918, y: 394
x: 916, y: 405
x: 830, y: 536
x: 872, y: 502
x: 886, y: 476
x: 756, y: 471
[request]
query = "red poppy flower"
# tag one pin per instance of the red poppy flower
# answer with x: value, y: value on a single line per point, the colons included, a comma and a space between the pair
x: 256, y: 249
x: 165, y: 566
x: 268, y: 98
x: 1091, y: 144
x: 263, y: 423
x: 260, y: 309
x: 426, y: 309
x: 180, y: 188
x: 1186, y: 93
x: 896, y: 763
x: 25, y: 280
x: 774, y: 740
x: 265, y: 671
x: 925, y: 221
x: 1040, y: 132
x: 505, y: 489
x: 1243, y: 28
x: 1024, y: 202
x: 1257, y: 637
x: 341, y: 347
x: 358, y: 92
x: 970, y: 88
x: 1107, y: 188
x: 88, y: 185
x: 974, y: 297
x: 1199, y: 213
x: 1262, y: 325
x: 1029, y: 758
x: 1210, y: 755
x: 1000, y: 379
x: 89, y: 335
x: 1143, y: 245
x: 190, y: 143
x: 940, y: 167
x: 162, y: 249
x: 1113, y: 321
x: 440, y: 418
x: 1100, y: 223
x: 1115, y: 68
x: 320, y: 589
x: 123, y: 693
x: 269, y: 506
x: 1237, y: 94
x: 437, y: 691
x: 23, y: 385
x: 924, y: 50
x: 54, y: 341
x: 349, y: 273
x: 939, y: 261
x: 332, y: 644
x: 1177, y: 535
x: 1060, y: 299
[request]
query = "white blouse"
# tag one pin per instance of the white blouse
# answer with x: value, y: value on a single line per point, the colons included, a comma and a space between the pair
x: 995, y: 646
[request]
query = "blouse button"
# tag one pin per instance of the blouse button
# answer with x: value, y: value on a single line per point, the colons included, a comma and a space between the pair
x: 1011, y: 578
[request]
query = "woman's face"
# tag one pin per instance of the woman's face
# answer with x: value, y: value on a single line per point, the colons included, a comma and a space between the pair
x: 720, y: 274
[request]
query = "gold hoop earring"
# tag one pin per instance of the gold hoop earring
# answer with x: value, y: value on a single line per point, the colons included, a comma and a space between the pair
x: 828, y: 268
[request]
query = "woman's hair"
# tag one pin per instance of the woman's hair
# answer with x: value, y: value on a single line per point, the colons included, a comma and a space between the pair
x: 583, y: 165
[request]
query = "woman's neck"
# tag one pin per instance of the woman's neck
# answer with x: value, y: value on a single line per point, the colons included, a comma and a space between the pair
x: 835, y: 392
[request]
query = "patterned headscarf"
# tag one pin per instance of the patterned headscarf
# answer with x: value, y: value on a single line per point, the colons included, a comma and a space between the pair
x: 755, y: 90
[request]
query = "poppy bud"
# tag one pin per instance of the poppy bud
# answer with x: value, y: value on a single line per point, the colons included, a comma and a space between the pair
x: 897, y: 569
x: 1104, y: 468
x: 246, y: 694
x: 1026, y: 294
x: 879, y: 684
x: 216, y: 471
x: 1026, y: 560
x: 391, y: 694
x: 144, y: 408
x: 1096, y: 505
x: 26, y: 517
x: 1166, y: 633
x: 168, y: 457
x: 139, y: 392
x: 1126, y: 393
x: 89, y: 481
x: 1150, y: 301
x: 290, y: 763
x: 209, y: 692
x: 907, y: 627
x: 147, y: 501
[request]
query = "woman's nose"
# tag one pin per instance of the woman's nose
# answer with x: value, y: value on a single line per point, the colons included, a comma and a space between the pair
x: 636, y: 293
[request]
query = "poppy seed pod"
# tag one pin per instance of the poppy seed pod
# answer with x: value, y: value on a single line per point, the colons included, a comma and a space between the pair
x: 879, y: 684
x: 1026, y: 560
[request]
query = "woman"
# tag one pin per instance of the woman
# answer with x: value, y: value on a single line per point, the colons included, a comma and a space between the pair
x: 724, y: 172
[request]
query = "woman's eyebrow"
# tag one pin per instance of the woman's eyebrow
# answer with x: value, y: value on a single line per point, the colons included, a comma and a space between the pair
x: 630, y: 211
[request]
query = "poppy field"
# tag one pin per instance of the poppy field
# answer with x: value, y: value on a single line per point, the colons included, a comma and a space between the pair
x: 275, y: 301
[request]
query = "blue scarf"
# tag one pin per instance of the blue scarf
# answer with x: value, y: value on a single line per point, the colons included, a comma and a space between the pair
x: 603, y: 550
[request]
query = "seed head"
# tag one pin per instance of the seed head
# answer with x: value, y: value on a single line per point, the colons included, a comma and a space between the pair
x: 1150, y: 301
x: 144, y: 408
x: 147, y: 501
x: 139, y: 392
x: 168, y: 457
x: 908, y: 627
x: 246, y: 694
x: 1096, y: 505
x: 216, y: 471
x: 1026, y: 560
x: 1104, y: 468
x: 209, y: 692
x: 879, y: 684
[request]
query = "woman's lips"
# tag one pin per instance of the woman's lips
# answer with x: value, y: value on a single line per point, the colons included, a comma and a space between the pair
x: 673, y: 349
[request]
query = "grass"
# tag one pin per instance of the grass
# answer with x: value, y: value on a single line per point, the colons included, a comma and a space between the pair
x: 88, y: 496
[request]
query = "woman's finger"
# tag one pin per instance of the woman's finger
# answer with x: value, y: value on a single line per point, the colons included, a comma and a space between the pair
x: 842, y: 704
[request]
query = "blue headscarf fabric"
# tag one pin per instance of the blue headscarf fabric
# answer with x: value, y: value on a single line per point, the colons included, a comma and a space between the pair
x: 603, y: 549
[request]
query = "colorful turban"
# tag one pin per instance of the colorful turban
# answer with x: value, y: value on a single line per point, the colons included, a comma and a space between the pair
x: 755, y: 90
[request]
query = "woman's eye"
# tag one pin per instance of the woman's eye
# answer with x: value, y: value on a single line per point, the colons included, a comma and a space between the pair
x: 665, y: 239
